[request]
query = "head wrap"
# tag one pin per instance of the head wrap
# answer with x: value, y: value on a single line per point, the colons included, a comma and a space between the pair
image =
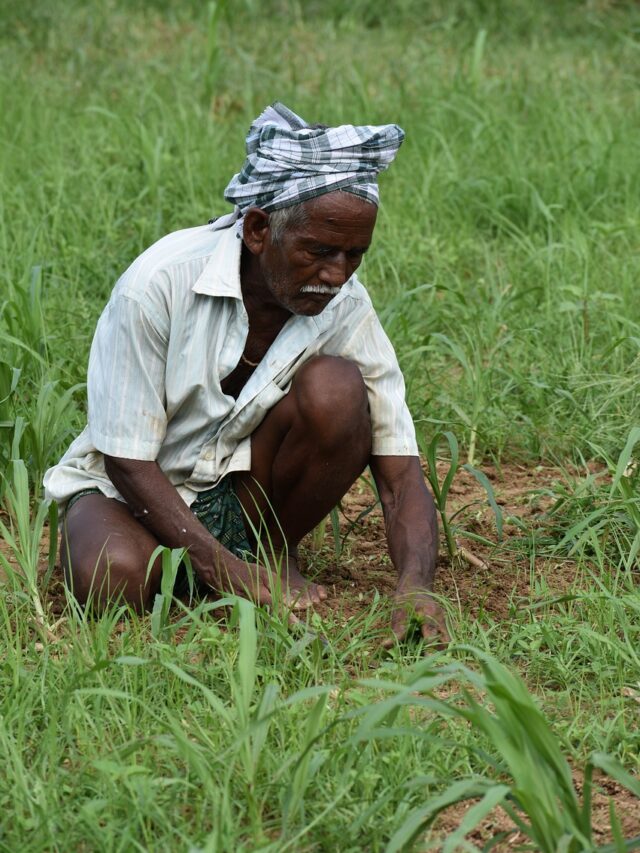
x: 289, y: 162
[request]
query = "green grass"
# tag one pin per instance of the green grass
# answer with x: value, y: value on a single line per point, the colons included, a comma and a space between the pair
x: 505, y: 269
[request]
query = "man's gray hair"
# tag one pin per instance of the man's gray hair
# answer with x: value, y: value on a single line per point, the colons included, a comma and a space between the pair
x: 293, y: 216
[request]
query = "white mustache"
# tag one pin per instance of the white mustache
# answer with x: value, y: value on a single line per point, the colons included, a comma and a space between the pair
x: 320, y: 288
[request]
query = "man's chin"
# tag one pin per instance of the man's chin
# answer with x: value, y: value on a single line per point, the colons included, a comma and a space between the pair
x: 312, y: 304
x: 306, y: 312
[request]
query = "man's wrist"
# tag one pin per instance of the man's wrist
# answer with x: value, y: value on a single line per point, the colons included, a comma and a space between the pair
x: 415, y: 577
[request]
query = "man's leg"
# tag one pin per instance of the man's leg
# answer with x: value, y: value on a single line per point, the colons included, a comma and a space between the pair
x: 306, y: 454
x: 105, y: 553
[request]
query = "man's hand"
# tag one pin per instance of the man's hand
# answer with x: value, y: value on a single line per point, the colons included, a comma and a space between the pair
x: 283, y: 583
x: 416, y: 609
x: 247, y: 580
x: 155, y: 503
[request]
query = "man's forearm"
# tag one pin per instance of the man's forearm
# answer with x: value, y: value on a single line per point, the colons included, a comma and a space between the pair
x: 410, y: 518
x: 157, y: 505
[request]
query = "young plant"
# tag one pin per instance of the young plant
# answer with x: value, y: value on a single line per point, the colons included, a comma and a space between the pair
x: 23, y: 534
x: 534, y: 783
x: 172, y: 560
x: 441, y: 490
x: 608, y: 517
x: 339, y: 539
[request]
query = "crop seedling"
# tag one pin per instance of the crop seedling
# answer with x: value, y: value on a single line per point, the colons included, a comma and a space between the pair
x: 441, y: 490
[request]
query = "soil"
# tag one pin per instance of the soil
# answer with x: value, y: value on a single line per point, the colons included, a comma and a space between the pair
x: 498, y: 577
x: 498, y: 821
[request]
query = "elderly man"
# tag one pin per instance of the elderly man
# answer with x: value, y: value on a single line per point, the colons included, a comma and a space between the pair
x: 240, y: 381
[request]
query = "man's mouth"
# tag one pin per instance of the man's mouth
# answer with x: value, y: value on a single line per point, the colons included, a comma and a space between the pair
x: 320, y: 288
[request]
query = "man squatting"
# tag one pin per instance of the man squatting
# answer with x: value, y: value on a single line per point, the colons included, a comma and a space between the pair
x: 239, y: 379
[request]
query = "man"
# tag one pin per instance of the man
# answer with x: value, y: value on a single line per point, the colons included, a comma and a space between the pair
x: 239, y: 382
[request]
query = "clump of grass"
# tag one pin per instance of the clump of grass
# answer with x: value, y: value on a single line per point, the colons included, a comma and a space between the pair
x: 23, y: 533
x: 600, y: 515
x: 538, y: 791
x: 441, y: 490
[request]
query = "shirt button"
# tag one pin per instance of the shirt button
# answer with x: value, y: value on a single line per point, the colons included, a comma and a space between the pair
x: 208, y: 455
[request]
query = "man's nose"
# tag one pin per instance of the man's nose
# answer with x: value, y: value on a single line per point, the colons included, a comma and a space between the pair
x: 334, y: 270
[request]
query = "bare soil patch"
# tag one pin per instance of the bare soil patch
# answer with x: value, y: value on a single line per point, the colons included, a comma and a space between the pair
x: 508, y: 575
x: 509, y: 578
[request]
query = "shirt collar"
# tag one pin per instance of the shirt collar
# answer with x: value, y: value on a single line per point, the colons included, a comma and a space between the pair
x: 221, y: 274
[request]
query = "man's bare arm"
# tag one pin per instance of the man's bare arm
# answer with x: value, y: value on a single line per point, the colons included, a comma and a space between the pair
x: 157, y: 505
x: 412, y: 535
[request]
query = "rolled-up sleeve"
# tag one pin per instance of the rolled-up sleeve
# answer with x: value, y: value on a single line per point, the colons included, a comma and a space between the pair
x: 393, y: 432
x: 126, y: 380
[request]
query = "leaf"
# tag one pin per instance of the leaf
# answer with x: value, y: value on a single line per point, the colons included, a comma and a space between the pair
x: 482, y: 478
x: 625, y: 458
x: 216, y: 704
x: 452, y: 441
x: 335, y: 527
x: 612, y: 767
x: 247, y: 651
x: 474, y: 815
x: 420, y: 818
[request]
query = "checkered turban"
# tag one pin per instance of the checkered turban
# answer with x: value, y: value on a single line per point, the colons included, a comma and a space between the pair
x: 289, y: 162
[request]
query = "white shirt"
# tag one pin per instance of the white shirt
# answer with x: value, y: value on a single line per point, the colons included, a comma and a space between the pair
x: 174, y: 327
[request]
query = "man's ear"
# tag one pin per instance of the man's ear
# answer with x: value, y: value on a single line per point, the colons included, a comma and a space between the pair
x: 255, y: 229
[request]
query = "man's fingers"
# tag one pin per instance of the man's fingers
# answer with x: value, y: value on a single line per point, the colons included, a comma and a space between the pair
x: 435, y: 631
x: 399, y: 629
x: 430, y: 621
x: 263, y: 587
x: 296, y: 599
x: 264, y: 597
x: 305, y: 597
x: 293, y: 620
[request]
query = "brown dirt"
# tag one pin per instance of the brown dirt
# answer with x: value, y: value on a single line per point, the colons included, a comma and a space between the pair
x: 507, y: 577
x: 498, y: 822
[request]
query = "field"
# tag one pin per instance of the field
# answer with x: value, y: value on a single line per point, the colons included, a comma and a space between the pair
x: 505, y: 269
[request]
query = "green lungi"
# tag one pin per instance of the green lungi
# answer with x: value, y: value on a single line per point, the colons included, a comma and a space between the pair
x: 218, y: 509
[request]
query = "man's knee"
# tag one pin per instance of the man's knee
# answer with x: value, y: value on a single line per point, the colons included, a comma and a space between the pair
x: 113, y: 572
x: 331, y: 397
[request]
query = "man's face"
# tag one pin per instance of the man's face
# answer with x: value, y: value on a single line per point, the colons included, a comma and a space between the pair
x: 306, y: 268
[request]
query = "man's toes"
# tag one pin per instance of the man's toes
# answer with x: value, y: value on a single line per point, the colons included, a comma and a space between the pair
x: 317, y: 593
x: 302, y: 598
x: 298, y: 598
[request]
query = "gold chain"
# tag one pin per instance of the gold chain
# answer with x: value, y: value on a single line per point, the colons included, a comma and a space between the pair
x: 250, y: 363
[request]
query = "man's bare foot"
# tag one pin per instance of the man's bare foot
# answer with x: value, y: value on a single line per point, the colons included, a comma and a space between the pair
x: 299, y: 592
x: 258, y: 583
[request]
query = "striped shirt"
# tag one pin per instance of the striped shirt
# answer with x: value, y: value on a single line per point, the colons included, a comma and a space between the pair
x: 174, y: 327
